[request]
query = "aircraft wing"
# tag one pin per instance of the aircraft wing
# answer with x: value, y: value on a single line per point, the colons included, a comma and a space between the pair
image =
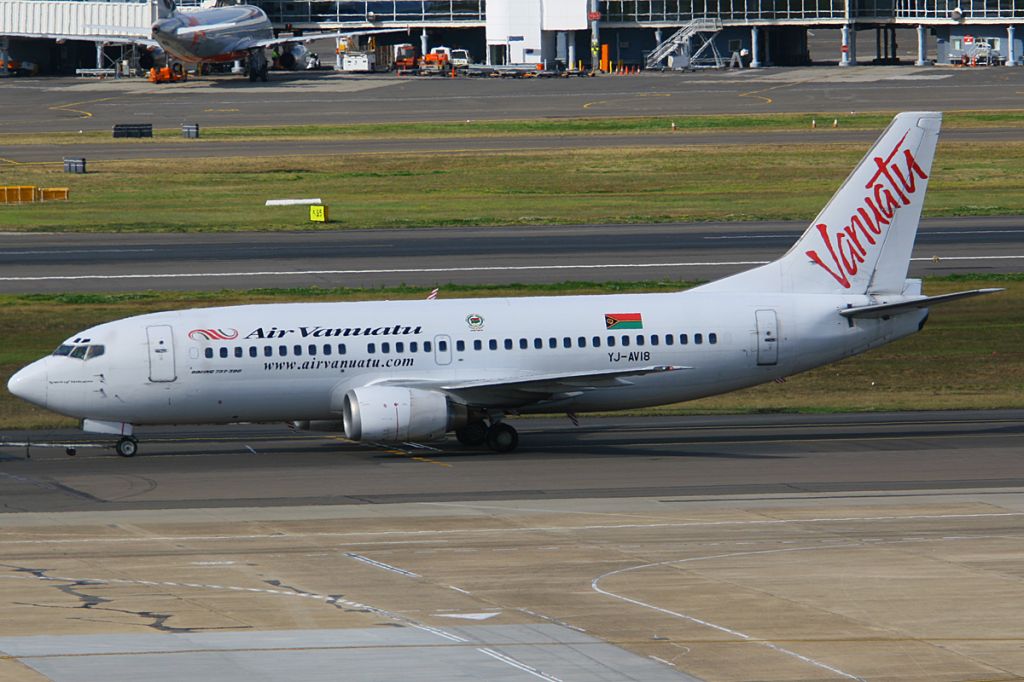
x: 305, y: 38
x: 888, y: 309
x: 532, y: 388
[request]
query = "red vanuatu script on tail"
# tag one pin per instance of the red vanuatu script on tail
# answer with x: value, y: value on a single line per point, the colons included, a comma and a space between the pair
x: 890, y: 188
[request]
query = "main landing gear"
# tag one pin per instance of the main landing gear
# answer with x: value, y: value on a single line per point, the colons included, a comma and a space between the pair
x: 257, y: 66
x: 127, y: 446
x: 499, y: 436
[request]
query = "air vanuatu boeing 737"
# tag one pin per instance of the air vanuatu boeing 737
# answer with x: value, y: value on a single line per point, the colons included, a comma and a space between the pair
x: 415, y: 370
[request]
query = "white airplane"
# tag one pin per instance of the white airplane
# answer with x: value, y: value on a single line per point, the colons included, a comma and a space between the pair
x: 414, y: 370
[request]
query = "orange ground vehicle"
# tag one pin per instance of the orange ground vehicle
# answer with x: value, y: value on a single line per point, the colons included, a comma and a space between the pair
x: 405, y: 57
x: 167, y: 74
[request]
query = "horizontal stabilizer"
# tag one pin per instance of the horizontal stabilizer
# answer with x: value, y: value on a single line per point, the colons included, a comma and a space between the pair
x: 888, y: 309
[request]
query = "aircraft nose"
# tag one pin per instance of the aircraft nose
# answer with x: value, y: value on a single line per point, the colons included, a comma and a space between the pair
x: 29, y: 383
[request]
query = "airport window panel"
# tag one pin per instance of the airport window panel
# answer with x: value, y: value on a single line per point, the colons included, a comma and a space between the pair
x: 223, y: 352
x: 508, y: 344
x: 442, y: 346
x: 712, y: 338
x: 297, y: 349
x: 238, y: 351
x: 611, y: 342
x: 655, y: 340
x: 413, y: 346
x: 478, y: 344
x: 698, y: 339
x: 371, y: 348
x: 386, y: 347
x: 282, y: 351
x: 566, y: 342
x: 493, y: 344
x: 400, y: 347
x: 683, y: 339
x: 427, y: 346
x: 523, y: 344
x: 596, y: 341
x: 625, y: 340
x: 253, y: 351
x: 460, y: 345
x: 327, y: 349
x: 209, y: 352
x: 581, y: 342
x: 552, y: 342
x: 538, y: 344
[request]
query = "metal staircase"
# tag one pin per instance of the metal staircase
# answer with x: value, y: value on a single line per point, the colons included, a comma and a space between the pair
x: 705, y: 31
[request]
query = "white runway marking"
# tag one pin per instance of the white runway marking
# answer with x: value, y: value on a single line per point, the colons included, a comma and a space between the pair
x: 517, y: 664
x: 381, y: 564
x: 50, y: 252
x: 406, y: 271
x: 721, y: 628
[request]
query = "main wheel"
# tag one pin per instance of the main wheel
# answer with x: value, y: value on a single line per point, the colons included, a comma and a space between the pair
x: 472, y: 434
x: 502, y: 438
x: 127, y: 447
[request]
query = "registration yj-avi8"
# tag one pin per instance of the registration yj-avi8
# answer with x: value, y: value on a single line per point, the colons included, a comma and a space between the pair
x: 402, y: 371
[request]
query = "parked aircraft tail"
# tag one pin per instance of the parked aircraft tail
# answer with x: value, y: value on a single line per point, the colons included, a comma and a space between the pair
x: 861, y: 241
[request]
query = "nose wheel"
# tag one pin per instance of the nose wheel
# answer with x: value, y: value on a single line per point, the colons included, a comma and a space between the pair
x: 127, y: 447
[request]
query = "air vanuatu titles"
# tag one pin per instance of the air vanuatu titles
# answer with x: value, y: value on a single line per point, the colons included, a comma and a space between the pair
x: 325, y: 332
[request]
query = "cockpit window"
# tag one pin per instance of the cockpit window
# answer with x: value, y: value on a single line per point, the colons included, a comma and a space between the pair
x: 80, y: 351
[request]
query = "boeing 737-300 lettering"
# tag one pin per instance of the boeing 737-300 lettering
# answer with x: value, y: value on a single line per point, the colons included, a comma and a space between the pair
x: 400, y: 371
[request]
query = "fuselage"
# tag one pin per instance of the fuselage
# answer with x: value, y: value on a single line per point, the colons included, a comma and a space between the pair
x: 285, y: 361
x: 212, y: 35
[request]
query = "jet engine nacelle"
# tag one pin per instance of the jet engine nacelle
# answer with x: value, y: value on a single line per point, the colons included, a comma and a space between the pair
x: 394, y: 414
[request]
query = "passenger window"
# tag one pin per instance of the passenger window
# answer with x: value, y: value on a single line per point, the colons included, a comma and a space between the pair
x: 63, y: 350
x: 597, y: 341
x: 478, y: 344
x: 523, y: 344
x: 683, y: 339
x: 268, y: 351
x: 223, y: 352
x: 238, y: 351
x: 640, y: 339
x: 209, y: 352
x: 413, y: 346
x: 253, y: 351
x: 460, y: 345
x: 341, y: 349
x: 654, y: 339
x: 712, y: 338
x: 441, y: 346
x: 282, y: 351
x: 538, y: 344
x: 669, y: 339
x: 399, y: 347
x: 95, y: 352
x: 312, y: 349
x: 566, y: 342
x: 297, y: 349
x: 327, y: 349
x: 493, y: 344
x: 698, y: 339
x: 79, y: 352
x: 552, y: 342
x: 625, y: 340
x: 371, y: 348
x: 611, y: 342
x: 582, y: 342
x: 508, y: 344
x: 385, y: 347
x: 426, y: 346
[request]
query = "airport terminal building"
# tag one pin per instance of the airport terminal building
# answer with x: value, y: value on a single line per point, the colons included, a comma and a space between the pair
x: 609, y: 33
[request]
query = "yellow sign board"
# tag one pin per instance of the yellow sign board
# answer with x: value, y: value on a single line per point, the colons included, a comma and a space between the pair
x: 318, y: 214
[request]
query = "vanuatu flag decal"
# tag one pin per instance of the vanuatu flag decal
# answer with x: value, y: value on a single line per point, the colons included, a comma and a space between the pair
x: 623, y: 321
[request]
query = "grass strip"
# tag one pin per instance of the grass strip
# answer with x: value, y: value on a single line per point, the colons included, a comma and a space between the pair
x: 968, y: 357
x: 601, y: 186
x: 635, y: 125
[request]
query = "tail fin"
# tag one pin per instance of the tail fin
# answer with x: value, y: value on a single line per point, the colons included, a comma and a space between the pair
x: 861, y: 241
